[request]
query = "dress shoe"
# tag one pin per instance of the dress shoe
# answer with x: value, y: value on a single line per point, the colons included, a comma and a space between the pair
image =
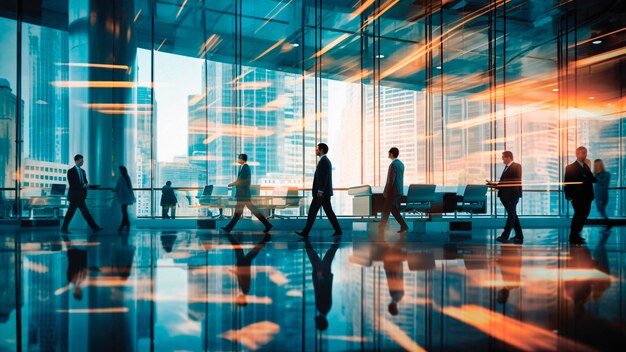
x: 337, y: 233
x: 502, y: 239
x: 97, y: 229
x: 268, y: 228
x: 65, y: 231
x: 517, y: 239
x: 403, y: 229
x: 302, y: 233
x: 225, y: 229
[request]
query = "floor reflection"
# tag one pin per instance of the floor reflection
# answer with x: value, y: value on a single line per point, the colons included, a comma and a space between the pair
x: 198, y: 290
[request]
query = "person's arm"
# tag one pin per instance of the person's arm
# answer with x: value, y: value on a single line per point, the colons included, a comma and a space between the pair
x: 567, y: 189
x: 323, y: 176
x: 391, y: 180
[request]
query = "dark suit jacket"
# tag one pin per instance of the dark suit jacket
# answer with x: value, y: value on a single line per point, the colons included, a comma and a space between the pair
x: 323, y: 179
x: 77, y: 192
x: 168, y: 197
x: 508, y: 188
x: 243, y: 183
x: 395, y: 180
x: 576, y: 173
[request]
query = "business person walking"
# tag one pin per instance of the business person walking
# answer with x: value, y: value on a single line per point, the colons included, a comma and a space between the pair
x: 322, y: 191
x: 601, y: 188
x: 76, y: 195
x: 510, y: 191
x: 243, y: 196
x: 125, y: 196
x: 394, y: 189
x: 579, y: 189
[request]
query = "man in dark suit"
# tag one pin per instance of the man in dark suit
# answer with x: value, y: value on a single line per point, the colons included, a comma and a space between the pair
x: 243, y: 196
x: 510, y: 191
x: 394, y: 189
x: 322, y: 191
x: 322, y: 281
x: 76, y: 195
x: 578, y: 187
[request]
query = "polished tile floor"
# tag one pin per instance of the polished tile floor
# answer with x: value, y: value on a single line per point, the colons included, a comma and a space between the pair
x: 199, y: 290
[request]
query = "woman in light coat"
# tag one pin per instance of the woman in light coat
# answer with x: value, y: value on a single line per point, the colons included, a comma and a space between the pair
x: 124, y: 195
x: 601, y: 188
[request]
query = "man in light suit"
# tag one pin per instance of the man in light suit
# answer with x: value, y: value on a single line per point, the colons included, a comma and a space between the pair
x: 322, y: 191
x: 510, y: 191
x: 578, y: 188
x: 243, y: 196
x: 394, y: 189
x: 76, y: 195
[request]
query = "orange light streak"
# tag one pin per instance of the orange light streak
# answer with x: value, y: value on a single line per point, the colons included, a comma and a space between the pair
x: 274, y: 15
x: 210, y: 44
x: 94, y: 310
x: 331, y: 45
x: 253, y: 85
x: 97, y: 84
x: 439, y: 40
x: 399, y: 336
x: 117, y: 106
x: 123, y: 112
x: 609, y: 55
x: 360, y: 9
x: 253, y: 336
x: 277, y: 44
x: 78, y: 64
x: 181, y: 8
x: 598, y: 37
x: 521, y: 335
x: 380, y: 11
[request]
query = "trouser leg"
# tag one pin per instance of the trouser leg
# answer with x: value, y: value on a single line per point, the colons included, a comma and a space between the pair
x: 255, y: 211
x: 330, y: 214
x: 69, y: 215
x: 236, y: 215
x: 315, y: 206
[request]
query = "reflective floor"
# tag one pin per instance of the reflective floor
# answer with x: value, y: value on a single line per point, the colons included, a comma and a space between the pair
x: 198, y: 290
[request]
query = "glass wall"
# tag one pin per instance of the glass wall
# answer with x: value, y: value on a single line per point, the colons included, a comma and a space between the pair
x: 183, y: 87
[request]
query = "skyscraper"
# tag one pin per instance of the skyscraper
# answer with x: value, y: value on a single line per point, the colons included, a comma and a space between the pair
x: 146, y: 147
x: 48, y: 119
x: 8, y: 116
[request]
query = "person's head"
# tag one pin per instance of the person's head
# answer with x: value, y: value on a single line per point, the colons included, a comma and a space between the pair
x: 78, y: 293
x: 242, y: 301
x: 78, y: 159
x: 393, y: 153
x: 123, y: 171
x: 507, y: 157
x: 168, y: 183
x: 242, y: 159
x: 393, y: 308
x: 581, y: 154
x: 598, y: 166
x: 321, y: 149
x: 321, y: 323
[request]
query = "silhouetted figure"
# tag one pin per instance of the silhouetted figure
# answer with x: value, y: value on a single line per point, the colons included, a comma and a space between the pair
x: 579, y: 290
x: 510, y: 191
x: 579, y: 189
x: 168, y: 201
x: 76, y: 267
x: 322, y: 191
x: 322, y: 281
x: 77, y: 194
x: 510, y: 263
x: 243, y: 196
x: 393, y: 259
x: 243, y: 266
x: 125, y: 196
x: 167, y: 241
x: 394, y: 189
x: 601, y: 188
